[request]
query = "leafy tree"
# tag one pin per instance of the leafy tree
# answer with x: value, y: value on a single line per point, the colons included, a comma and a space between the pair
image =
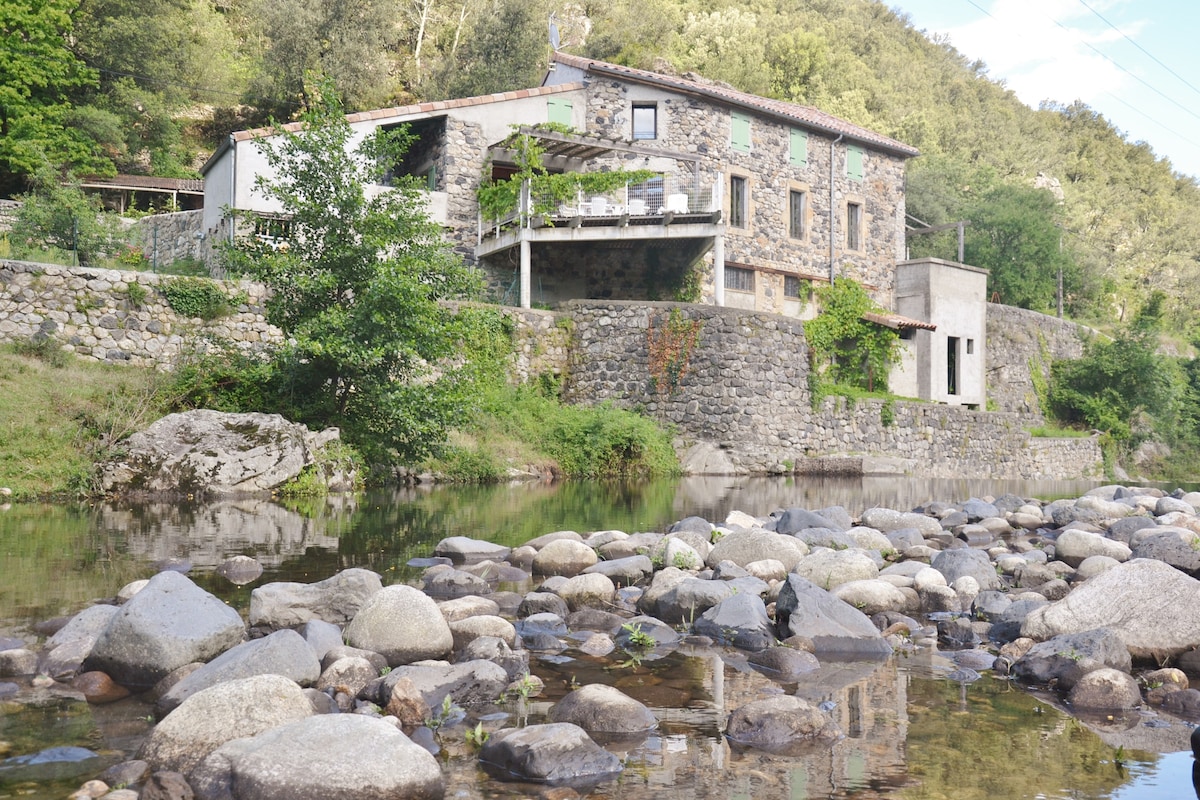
x: 64, y: 217
x: 358, y: 288
x: 39, y: 77
x: 845, y: 348
x: 504, y: 49
x: 1013, y: 233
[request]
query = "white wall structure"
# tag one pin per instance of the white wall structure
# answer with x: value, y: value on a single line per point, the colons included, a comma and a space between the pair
x: 950, y: 360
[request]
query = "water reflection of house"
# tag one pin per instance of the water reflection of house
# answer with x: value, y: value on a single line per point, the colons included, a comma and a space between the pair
x: 756, y: 200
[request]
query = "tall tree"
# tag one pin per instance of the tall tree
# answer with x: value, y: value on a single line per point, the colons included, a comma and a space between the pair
x: 504, y: 49
x: 39, y: 77
x: 357, y: 291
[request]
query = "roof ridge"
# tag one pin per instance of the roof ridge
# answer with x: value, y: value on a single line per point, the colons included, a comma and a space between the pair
x: 805, y: 115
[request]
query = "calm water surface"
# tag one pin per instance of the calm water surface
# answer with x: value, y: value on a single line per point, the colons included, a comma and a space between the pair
x: 910, y: 732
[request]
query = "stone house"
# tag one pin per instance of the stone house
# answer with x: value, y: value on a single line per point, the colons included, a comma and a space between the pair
x: 751, y: 201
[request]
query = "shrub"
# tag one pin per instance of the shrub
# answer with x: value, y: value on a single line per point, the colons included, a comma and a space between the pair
x: 196, y: 297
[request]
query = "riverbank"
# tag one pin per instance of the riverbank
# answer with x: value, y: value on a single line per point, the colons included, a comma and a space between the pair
x: 954, y: 584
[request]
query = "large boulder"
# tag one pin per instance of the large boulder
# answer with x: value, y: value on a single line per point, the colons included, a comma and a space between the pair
x: 743, y: 547
x: 740, y: 620
x: 214, y: 716
x: 469, y: 683
x: 831, y: 568
x: 402, y: 624
x: 169, y: 623
x: 282, y: 653
x: 335, y: 600
x: 833, y: 626
x: 780, y: 722
x: 205, y: 452
x: 558, y: 752
x: 603, y: 709
x: 1175, y: 546
x: 1154, y: 607
x: 331, y: 757
x: 564, y: 557
x: 1073, y: 546
x: 1064, y: 659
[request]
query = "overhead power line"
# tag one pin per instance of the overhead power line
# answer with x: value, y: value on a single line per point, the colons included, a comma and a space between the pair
x: 1148, y: 54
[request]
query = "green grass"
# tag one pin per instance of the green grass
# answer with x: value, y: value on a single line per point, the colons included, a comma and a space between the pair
x: 59, y: 415
x: 1054, y: 432
x: 524, y: 426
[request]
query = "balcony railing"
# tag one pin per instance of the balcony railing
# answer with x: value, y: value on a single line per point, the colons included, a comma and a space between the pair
x: 657, y: 197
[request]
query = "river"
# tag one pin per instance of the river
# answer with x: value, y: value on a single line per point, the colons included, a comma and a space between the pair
x: 910, y: 732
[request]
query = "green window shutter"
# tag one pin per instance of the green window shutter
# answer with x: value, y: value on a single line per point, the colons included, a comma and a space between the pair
x: 558, y: 111
x: 854, y: 163
x: 799, y: 155
x: 739, y: 132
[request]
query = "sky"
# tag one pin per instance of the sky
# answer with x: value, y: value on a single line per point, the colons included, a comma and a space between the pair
x: 1137, y: 62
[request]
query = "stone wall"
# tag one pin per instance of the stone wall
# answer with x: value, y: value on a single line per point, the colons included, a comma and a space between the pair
x: 167, y: 238
x: 93, y: 313
x: 735, y: 383
x: 1021, y: 346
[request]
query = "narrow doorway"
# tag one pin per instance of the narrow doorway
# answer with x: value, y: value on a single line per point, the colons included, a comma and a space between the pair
x: 952, y: 365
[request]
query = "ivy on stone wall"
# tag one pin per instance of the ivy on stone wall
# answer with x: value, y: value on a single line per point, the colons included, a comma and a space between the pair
x: 669, y: 350
x: 844, y: 348
x: 197, y: 297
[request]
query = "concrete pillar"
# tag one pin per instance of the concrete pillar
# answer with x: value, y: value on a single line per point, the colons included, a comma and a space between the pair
x: 526, y: 258
x: 719, y: 270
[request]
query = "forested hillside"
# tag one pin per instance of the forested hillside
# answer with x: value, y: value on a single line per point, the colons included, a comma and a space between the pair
x: 98, y: 86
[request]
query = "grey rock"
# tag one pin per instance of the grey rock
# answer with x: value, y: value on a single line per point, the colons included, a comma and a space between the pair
x: 1180, y: 549
x: 1150, y: 604
x: 67, y: 649
x: 835, y: 627
x: 977, y: 509
x: 450, y: 583
x: 282, y: 653
x: 205, y: 452
x: 17, y: 663
x: 467, y: 630
x: 564, y: 557
x: 321, y: 636
x: 402, y: 624
x: 344, y: 756
x: 1064, y: 659
x: 464, y: 550
x: 740, y: 621
x: 1122, y: 530
x: 352, y: 673
x: 221, y: 713
x: 344, y: 651
x: 1073, y: 546
x: 686, y: 600
x: 746, y: 546
x: 582, y: 591
x: 489, y: 648
x: 469, y: 683
x: 778, y: 723
x: 658, y: 630
x: 959, y: 562
x: 169, y: 623
x: 557, y: 752
x: 603, y: 709
x: 542, y: 603
x: 335, y: 600
x: 794, y: 520
x: 166, y: 785
x: 627, y: 571
x: 1105, y: 689
x: 831, y: 568
x: 240, y: 570
x: 784, y: 664
x: 51, y: 764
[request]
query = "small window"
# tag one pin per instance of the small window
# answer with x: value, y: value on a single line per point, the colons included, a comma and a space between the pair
x: 645, y: 120
x: 952, y: 365
x: 739, y: 132
x: 854, y: 226
x: 854, y: 163
x: 908, y: 334
x: 797, y: 211
x: 799, y: 148
x: 739, y: 201
x: 558, y: 111
x: 794, y: 287
x: 739, y: 279
x: 970, y: 347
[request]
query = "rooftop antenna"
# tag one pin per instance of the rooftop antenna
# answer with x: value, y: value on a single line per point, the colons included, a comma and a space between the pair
x: 554, y: 40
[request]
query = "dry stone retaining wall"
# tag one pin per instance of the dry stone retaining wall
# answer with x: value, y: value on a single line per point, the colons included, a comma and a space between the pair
x: 1021, y: 346
x: 92, y: 313
x: 743, y: 386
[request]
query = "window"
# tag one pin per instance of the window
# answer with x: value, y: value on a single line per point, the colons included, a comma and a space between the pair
x: 645, y: 120
x: 854, y: 226
x: 739, y: 279
x: 739, y: 201
x: 797, y: 210
x: 739, y: 132
x: 558, y: 111
x: 799, y: 148
x: 794, y: 287
x: 854, y: 163
x: 952, y: 365
x: 970, y: 347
